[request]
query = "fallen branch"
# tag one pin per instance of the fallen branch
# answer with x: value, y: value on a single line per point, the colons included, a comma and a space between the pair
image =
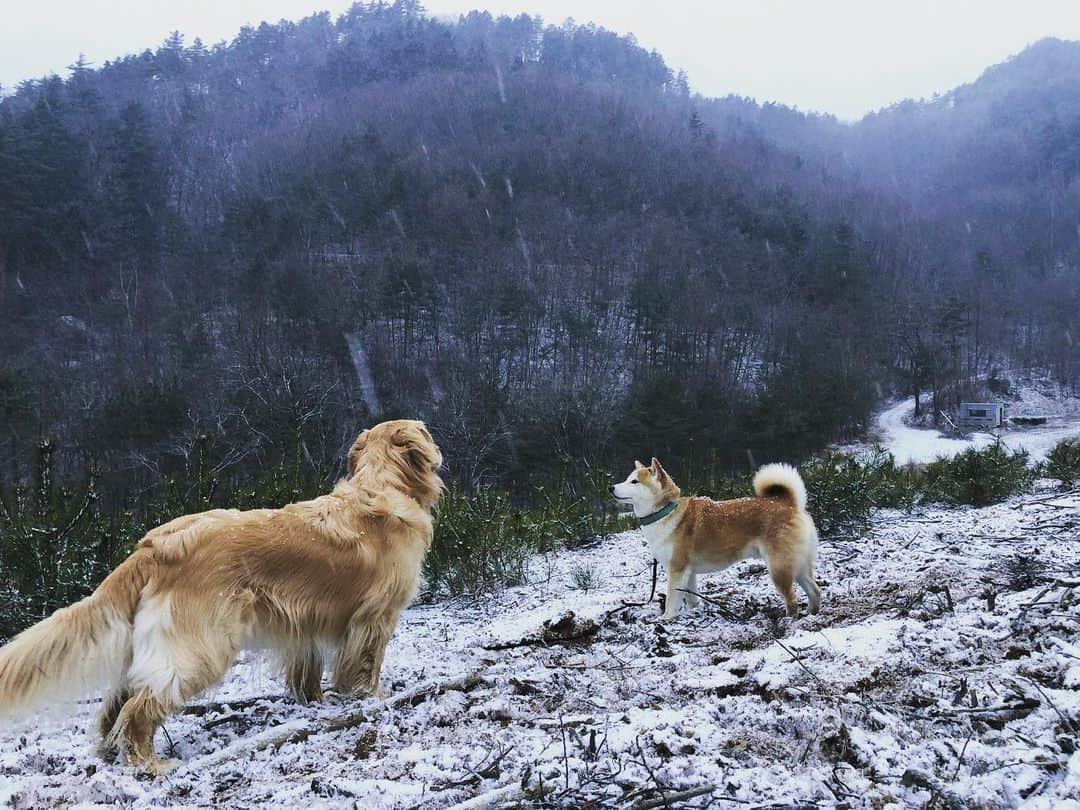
x: 1068, y: 584
x: 200, y: 709
x: 488, y: 769
x: 300, y: 730
x: 725, y: 611
x: 1046, y: 502
x: 465, y: 683
x: 797, y: 660
x: 490, y: 799
x: 270, y: 738
x: 669, y: 799
x: 994, y: 716
x: 921, y: 779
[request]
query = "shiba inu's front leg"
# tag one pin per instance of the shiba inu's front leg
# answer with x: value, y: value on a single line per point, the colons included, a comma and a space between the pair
x: 678, y: 581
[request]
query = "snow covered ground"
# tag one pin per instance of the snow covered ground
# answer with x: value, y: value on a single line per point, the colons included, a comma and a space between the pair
x: 942, y: 668
x: 918, y: 445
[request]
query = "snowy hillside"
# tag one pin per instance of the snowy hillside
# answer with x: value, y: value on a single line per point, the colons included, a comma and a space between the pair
x: 942, y: 667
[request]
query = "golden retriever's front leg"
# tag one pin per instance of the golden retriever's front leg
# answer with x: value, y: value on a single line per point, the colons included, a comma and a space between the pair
x: 303, y: 671
x: 359, y: 661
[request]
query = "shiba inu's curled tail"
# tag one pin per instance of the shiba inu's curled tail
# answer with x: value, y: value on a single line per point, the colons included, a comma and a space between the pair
x: 781, y: 481
x: 76, y: 649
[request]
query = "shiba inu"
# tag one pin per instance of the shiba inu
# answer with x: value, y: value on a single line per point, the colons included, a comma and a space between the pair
x: 168, y: 622
x: 698, y: 535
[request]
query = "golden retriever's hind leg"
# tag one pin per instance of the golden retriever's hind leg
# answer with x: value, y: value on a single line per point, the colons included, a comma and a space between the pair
x: 813, y: 592
x: 171, y: 662
x: 110, y: 711
x: 785, y: 583
x: 303, y: 671
x: 359, y: 661
x: 133, y: 732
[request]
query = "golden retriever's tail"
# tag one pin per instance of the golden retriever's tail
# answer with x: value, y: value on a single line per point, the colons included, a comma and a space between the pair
x: 77, y: 648
x: 781, y: 481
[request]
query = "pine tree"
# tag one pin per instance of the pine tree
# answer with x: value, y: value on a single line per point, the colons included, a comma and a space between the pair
x: 138, y: 186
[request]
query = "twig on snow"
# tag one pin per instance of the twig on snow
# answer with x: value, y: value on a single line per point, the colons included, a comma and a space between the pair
x: 666, y: 799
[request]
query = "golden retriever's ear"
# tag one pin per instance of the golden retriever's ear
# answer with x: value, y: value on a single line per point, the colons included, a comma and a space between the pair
x: 353, y: 459
x: 418, y: 447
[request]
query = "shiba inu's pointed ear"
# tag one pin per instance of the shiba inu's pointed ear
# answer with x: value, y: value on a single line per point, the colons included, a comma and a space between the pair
x: 668, y: 486
x: 638, y: 465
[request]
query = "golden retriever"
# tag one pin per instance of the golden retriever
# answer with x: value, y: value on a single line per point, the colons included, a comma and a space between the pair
x: 698, y: 535
x: 169, y: 621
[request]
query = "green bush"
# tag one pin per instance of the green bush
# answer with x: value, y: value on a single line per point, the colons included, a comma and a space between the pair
x: 843, y: 490
x: 1063, y: 463
x: 55, y: 545
x: 481, y: 542
x: 979, y: 477
x: 58, y: 540
x: 583, y: 513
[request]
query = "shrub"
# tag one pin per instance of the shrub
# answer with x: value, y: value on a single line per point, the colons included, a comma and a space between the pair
x: 979, y: 477
x: 58, y: 540
x: 584, y: 578
x: 54, y: 546
x: 583, y: 513
x: 481, y: 542
x: 1023, y: 571
x: 843, y: 490
x: 1063, y: 463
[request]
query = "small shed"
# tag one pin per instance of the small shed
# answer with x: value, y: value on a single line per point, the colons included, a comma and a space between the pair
x: 973, y: 415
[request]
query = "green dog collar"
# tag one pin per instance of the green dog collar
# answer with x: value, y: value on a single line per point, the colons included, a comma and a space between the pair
x: 660, y: 513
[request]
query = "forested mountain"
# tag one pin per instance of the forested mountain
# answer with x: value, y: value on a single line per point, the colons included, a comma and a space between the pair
x: 534, y: 237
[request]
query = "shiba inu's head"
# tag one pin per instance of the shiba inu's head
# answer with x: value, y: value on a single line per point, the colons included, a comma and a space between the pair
x: 646, y: 488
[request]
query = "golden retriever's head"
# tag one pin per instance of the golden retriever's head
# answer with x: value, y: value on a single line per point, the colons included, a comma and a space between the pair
x: 403, y: 451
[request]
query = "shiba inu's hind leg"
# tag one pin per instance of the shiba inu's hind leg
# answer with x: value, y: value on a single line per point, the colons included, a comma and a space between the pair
x: 692, y: 598
x: 784, y: 580
x: 807, y: 583
x: 806, y: 573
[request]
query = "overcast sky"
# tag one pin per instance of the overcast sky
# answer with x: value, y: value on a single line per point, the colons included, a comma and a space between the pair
x: 844, y: 57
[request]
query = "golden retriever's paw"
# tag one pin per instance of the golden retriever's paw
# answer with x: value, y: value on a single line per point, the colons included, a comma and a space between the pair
x: 157, y: 767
